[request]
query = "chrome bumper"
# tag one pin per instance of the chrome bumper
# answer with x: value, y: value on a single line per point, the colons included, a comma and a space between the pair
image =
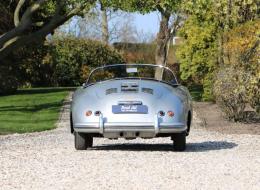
x: 155, y: 127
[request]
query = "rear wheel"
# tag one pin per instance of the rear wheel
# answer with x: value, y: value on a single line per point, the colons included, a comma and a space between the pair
x: 89, y: 141
x: 179, y: 141
x: 82, y: 141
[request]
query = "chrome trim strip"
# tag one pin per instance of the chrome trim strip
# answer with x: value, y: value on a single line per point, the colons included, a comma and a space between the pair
x: 101, y: 124
x: 115, y: 130
x: 156, y: 124
x: 115, y: 65
x: 155, y: 127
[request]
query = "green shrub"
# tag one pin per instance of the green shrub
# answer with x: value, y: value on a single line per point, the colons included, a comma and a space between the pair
x: 35, y: 66
x: 8, y: 80
x: 242, y: 50
x: 253, y: 89
x: 72, y: 59
x: 231, y: 93
x: 207, y: 87
x: 10, y: 74
x: 198, y: 53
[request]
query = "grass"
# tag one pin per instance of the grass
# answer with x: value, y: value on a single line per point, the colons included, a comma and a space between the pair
x: 31, y: 110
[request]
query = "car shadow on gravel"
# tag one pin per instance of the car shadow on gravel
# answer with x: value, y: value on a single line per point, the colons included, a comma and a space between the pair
x: 191, y: 147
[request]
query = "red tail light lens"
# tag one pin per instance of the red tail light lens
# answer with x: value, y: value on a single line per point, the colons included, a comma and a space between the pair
x: 170, y: 113
x: 88, y: 113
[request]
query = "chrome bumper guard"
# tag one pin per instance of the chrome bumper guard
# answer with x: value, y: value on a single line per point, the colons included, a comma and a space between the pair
x: 155, y: 127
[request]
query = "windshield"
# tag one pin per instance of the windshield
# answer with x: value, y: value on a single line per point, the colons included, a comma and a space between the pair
x: 135, y: 71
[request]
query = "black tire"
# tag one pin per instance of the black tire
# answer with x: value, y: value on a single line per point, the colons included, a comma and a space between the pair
x: 71, y: 123
x: 82, y: 141
x: 179, y: 141
x: 89, y: 141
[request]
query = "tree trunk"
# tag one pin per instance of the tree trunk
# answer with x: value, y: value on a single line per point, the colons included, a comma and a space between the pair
x: 36, y: 37
x: 104, y: 23
x: 161, y: 44
x: 19, y: 36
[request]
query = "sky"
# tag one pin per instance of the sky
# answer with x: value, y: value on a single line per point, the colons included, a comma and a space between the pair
x: 148, y: 22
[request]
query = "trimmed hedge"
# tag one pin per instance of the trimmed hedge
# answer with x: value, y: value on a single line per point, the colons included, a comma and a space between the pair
x: 58, y: 62
x: 72, y: 59
x: 66, y: 61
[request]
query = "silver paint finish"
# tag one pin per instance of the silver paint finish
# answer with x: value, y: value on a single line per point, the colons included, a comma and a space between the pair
x: 165, y: 97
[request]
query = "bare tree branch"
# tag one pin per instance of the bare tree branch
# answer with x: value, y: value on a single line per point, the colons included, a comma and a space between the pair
x: 18, y: 38
x: 17, y: 12
x: 23, y: 25
x: 173, y: 28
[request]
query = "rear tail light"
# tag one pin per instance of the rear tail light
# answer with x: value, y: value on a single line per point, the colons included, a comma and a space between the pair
x: 170, y: 113
x: 88, y: 113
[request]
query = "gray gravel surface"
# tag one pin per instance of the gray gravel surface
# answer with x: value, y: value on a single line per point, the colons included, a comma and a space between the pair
x: 48, y: 160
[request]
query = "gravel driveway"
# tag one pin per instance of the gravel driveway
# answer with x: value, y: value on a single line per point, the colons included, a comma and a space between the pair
x: 48, y: 160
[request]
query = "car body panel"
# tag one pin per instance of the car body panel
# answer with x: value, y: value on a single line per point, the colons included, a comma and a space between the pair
x: 155, y: 95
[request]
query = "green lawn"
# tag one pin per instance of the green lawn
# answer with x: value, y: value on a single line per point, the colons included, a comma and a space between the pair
x: 31, y: 110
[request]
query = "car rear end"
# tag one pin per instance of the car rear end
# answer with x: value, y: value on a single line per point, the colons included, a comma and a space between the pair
x: 130, y: 109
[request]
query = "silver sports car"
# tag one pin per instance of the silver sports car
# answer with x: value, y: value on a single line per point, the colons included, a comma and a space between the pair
x: 130, y: 101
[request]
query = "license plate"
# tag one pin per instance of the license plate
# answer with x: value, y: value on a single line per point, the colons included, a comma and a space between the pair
x: 129, y: 109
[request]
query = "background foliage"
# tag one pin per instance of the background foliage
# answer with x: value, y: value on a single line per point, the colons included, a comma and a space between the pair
x: 58, y: 62
x: 220, y: 51
x: 73, y: 59
x: 241, y: 55
x: 198, y: 53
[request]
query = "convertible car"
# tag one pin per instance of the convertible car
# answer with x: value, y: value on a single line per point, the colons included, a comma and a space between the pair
x: 131, y: 101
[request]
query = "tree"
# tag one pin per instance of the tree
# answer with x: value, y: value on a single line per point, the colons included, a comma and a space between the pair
x: 241, y: 51
x: 169, y: 11
x: 104, y: 23
x: 203, y: 53
x: 198, y: 54
x: 34, y: 20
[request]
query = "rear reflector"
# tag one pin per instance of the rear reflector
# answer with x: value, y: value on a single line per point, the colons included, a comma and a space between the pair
x: 170, y: 113
x: 88, y: 113
x: 97, y: 113
x: 161, y: 113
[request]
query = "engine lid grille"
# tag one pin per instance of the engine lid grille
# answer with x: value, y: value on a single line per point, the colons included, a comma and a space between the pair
x: 147, y: 90
x: 130, y: 102
x: 129, y: 87
x: 111, y: 90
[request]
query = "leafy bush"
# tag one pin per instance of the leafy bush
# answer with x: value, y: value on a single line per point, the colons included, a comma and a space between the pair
x: 35, y: 65
x: 72, y: 59
x: 254, y: 92
x: 10, y: 74
x: 241, y: 50
x: 59, y: 62
x: 198, y: 53
x: 207, y: 87
x: 231, y: 93
x: 8, y: 81
x: 144, y: 53
x: 137, y: 52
